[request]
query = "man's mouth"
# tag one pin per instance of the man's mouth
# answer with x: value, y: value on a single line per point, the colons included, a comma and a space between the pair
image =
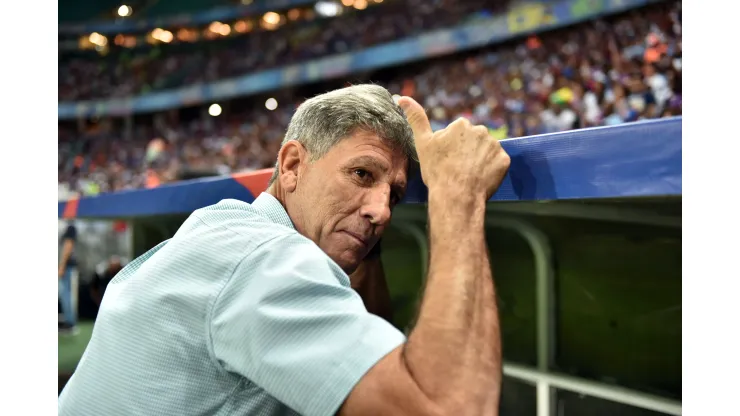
x: 357, y: 237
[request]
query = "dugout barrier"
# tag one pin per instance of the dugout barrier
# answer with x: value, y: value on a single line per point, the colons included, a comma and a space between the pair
x: 585, y: 237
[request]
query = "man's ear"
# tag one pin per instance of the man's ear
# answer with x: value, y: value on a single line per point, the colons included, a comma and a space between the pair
x: 292, y: 159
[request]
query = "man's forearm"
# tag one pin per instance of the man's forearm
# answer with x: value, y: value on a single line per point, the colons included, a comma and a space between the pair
x: 67, y: 248
x: 63, y: 261
x: 454, y: 352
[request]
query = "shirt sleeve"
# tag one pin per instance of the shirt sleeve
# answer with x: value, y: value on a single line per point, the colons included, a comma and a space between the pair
x: 70, y: 233
x: 288, y: 321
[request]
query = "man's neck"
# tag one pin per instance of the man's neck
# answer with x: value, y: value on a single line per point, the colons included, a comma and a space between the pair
x: 276, y: 191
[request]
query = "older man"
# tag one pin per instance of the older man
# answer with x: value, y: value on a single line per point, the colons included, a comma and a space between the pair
x: 249, y: 309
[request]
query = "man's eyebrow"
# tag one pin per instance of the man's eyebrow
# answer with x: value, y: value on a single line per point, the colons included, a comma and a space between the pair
x: 370, y: 162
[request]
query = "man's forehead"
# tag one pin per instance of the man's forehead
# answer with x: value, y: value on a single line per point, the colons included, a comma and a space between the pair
x: 370, y: 145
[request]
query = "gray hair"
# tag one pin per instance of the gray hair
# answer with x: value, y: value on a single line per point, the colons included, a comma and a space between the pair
x: 324, y: 120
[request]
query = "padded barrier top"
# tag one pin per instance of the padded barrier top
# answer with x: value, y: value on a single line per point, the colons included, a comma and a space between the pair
x: 628, y: 160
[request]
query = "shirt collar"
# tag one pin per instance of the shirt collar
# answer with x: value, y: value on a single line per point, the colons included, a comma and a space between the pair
x: 271, y: 208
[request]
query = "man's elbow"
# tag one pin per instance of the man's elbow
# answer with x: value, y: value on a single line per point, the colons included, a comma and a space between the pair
x: 389, y: 389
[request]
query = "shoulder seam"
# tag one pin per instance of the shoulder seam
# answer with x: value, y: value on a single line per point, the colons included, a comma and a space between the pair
x: 282, y: 227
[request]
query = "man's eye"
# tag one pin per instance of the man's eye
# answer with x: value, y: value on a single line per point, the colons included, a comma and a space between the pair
x: 362, y: 174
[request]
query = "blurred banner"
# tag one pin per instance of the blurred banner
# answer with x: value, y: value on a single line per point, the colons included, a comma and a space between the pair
x: 528, y: 17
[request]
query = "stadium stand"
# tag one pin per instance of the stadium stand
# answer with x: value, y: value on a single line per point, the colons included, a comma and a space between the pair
x: 584, y: 233
x: 620, y: 69
x: 263, y: 45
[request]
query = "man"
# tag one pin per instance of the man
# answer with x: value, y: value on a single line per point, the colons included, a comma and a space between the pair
x: 249, y: 310
x: 104, y: 273
x: 68, y: 280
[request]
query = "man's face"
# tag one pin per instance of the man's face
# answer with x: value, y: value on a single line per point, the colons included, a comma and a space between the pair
x: 343, y: 201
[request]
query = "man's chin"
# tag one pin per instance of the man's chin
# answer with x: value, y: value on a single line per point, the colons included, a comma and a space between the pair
x: 349, y: 262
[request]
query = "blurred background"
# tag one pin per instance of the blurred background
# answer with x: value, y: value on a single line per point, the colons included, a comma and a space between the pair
x: 158, y: 91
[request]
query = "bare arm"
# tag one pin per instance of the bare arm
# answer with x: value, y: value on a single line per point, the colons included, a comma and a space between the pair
x: 451, y: 362
x: 67, y: 249
x: 454, y: 352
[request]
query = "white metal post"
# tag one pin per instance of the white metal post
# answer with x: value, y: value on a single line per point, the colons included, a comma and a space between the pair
x: 594, y: 389
x: 545, y: 381
x: 544, y: 289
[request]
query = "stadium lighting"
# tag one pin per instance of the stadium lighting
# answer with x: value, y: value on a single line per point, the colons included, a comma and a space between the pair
x: 221, y: 28
x: 271, y: 104
x: 98, y: 39
x: 348, y: 2
x: 360, y: 4
x: 124, y: 11
x: 183, y: 35
x: 166, y: 36
x: 271, y: 18
x: 242, y: 26
x: 214, y: 110
x: 294, y: 14
x: 162, y: 35
x: 327, y: 8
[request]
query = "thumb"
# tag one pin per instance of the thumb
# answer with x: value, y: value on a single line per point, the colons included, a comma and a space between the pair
x: 416, y: 116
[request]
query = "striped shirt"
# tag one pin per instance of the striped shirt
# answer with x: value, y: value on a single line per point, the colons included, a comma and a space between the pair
x: 236, y: 314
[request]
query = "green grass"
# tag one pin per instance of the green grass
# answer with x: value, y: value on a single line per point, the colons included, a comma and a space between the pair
x: 72, y: 347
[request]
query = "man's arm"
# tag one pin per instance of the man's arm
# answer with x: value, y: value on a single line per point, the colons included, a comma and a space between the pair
x: 458, y: 318
x: 452, y: 359
x: 451, y: 363
x: 288, y: 321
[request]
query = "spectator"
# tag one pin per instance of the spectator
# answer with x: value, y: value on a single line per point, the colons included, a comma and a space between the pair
x: 169, y: 66
x: 68, y: 280
x: 571, y: 78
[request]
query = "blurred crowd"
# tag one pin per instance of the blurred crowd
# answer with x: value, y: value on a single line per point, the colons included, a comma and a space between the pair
x: 605, y: 72
x: 126, y: 73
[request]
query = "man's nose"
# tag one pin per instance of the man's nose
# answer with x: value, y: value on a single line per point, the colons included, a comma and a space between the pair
x: 377, y: 207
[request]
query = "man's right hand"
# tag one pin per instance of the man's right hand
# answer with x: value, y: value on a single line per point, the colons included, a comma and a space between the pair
x: 460, y: 156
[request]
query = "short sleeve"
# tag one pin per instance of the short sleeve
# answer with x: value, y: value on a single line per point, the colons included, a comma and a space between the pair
x: 288, y: 321
x: 70, y: 233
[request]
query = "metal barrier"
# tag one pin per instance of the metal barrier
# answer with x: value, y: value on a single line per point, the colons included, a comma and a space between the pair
x: 545, y: 381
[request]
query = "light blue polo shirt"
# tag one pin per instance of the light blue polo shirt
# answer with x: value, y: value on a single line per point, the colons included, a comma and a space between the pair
x: 237, y: 314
